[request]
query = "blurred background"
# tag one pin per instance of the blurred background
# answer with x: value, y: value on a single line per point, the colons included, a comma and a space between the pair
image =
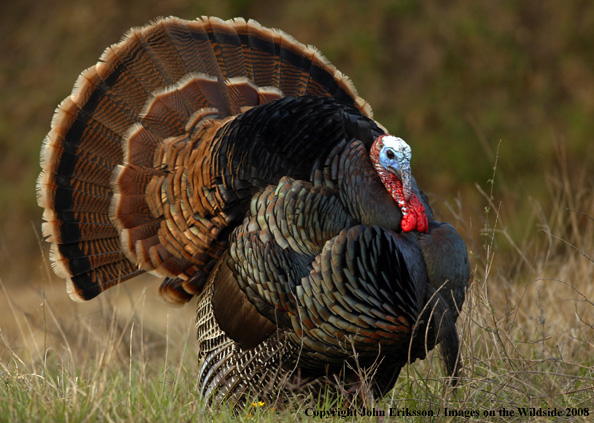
x: 469, y: 84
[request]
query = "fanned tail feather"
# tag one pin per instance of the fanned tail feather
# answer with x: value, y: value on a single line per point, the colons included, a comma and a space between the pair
x: 106, y: 193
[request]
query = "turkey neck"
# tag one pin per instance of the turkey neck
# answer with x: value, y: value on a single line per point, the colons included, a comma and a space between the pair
x: 361, y: 190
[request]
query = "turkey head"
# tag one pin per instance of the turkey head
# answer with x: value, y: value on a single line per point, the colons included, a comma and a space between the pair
x: 391, y: 158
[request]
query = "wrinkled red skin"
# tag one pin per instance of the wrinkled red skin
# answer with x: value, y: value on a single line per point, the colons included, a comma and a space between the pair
x: 413, y: 211
x: 416, y: 217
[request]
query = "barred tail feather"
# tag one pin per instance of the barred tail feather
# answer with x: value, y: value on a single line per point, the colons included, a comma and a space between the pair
x: 112, y: 208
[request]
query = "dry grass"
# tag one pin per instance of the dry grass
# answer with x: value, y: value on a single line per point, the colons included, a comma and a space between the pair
x: 527, y: 333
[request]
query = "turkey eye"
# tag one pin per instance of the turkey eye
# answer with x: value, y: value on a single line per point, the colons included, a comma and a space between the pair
x: 390, y: 154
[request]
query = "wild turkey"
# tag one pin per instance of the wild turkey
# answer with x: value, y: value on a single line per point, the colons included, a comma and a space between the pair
x: 242, y: 167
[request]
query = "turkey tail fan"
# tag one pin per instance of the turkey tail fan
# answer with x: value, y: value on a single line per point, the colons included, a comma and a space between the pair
x: 101, y: 173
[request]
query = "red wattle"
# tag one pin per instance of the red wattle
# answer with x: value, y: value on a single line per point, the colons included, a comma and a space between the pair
x: 409, y: 222
x: 416, y: 207
x: 416, y: 217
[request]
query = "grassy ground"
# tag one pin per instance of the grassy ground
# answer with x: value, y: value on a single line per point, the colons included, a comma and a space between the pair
x: 527, y: 335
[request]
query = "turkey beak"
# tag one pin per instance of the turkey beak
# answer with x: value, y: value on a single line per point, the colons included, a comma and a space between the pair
x: 406, y: 178
x: 404, y: 173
